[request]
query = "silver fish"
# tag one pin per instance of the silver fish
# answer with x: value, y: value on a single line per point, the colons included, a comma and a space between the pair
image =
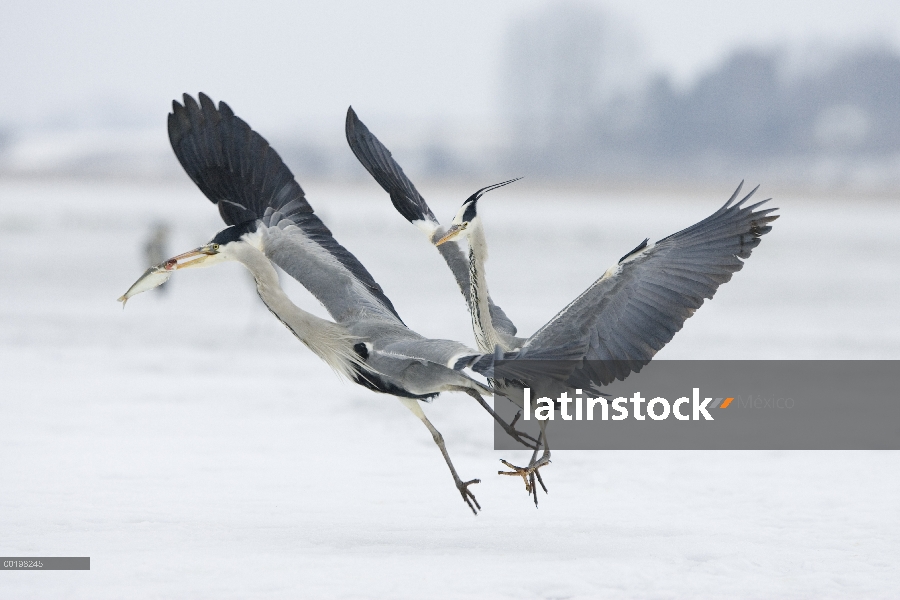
x: 152, y: 277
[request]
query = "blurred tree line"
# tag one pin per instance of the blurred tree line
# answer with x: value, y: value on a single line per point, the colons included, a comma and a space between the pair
x: 578, y: 103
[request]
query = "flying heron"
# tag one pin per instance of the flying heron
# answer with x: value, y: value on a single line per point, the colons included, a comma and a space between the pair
x: 620, y: 322
x: 270, y: 221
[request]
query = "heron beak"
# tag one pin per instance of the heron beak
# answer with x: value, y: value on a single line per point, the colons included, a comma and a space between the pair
x: 158, y: 275
x: 452, y: 233
x: 194, y: 258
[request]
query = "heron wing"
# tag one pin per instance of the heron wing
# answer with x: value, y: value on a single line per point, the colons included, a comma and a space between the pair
x: 238, y: 171
x: 635, y: 308
x: 382, y: 166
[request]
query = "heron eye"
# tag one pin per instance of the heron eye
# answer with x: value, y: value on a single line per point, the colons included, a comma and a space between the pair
x: 216, y: 247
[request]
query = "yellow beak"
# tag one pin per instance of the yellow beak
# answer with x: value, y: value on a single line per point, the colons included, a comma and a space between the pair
x: 189, y: 259
x: 452, y: 233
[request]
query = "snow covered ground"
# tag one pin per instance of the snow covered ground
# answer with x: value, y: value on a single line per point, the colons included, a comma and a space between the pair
x: 193, y: 449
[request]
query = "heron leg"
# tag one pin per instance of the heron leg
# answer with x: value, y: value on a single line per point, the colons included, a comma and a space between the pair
x: 510, y: 428
x: 531, y: 474
x: 463, y: 486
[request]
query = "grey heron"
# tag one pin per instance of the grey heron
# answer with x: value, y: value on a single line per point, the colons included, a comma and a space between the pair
x: 270, y: 221
x: 622, y: 320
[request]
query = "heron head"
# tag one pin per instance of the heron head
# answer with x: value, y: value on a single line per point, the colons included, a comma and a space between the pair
x: 220, y: 249
x: 461, y: 221
x: 468, y: 212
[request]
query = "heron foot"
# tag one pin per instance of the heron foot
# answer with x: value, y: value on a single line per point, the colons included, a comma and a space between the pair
x: 530, y: 475
x: 468, y: 496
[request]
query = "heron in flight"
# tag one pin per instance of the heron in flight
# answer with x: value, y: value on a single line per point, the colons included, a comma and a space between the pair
x: 270, y: 221
x: 620, y: 322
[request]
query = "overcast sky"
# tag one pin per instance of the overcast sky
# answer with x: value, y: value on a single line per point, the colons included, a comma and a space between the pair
x: 294, y: 63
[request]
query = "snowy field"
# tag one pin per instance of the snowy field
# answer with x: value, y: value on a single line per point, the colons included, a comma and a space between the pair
x: 194, y: 449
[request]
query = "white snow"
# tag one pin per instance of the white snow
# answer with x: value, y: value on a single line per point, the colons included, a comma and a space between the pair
x: 194, y: 449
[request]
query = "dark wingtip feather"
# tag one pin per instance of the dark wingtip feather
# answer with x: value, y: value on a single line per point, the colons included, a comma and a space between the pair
x: 351, y: 120
x: 206, y: 103
x: 734, y: 195
x: 178, y: 116
x: 378, y: 161
x: 760, y: 203
x: 225, y: 110
x: 747, y: 197
x: 191, y: 105
x: 354, y: 130
x: 637, y: 249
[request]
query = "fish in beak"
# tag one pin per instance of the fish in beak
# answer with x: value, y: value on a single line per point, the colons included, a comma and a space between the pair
x: 158, y: 275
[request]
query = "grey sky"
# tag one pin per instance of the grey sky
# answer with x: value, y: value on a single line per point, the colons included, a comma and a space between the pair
x: 296, y: 63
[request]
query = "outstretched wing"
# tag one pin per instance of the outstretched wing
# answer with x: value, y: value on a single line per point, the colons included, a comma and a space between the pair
x: 380, y: 164
x: 239, y: 172
x: 630, y: 313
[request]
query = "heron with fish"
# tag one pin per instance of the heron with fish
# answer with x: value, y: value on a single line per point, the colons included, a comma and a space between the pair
x: 270, y: 222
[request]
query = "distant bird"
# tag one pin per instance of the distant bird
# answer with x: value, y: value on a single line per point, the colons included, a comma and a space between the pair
x: 620, y: 322
x: 155, y: 248
x: 269, y: 221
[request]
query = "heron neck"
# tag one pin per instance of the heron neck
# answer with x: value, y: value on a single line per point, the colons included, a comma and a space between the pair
x: 479, y: 308
x: 330, y: 341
